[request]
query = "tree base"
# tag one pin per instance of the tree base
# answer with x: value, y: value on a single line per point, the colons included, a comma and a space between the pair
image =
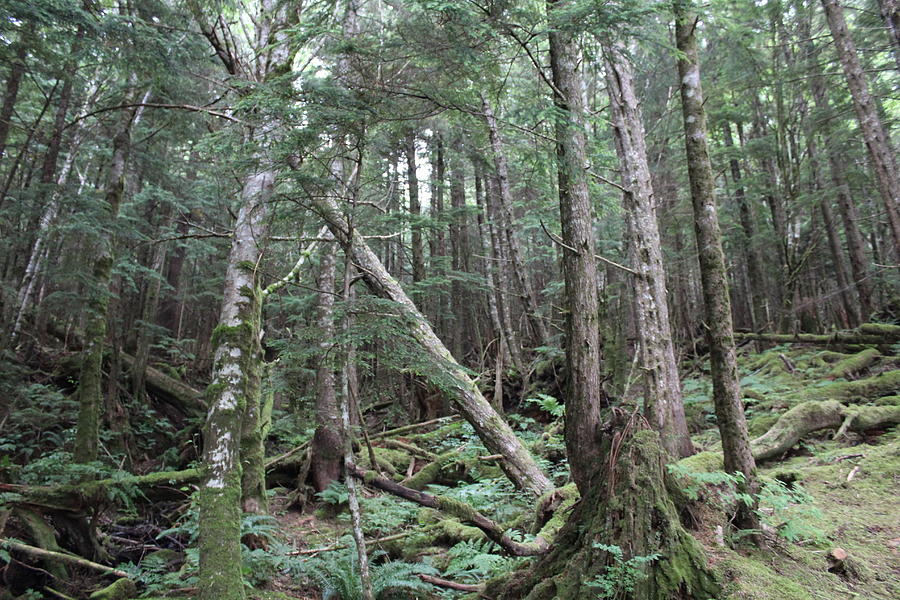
x: 626, y: 513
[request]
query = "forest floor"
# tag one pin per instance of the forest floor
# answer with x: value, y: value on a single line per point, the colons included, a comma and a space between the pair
x: 829, y: 503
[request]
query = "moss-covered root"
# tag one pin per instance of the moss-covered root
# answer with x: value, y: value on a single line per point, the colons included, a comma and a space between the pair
x: 44, y: 537
x: 805, y: 418
x: 122, y: 589
x: 626, y: 506
x: 854, y: 364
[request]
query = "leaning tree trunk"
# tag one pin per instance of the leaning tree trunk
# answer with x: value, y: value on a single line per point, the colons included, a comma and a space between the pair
x: 713, y: 274
x: 663, y: 403
x: 877, y: 141
x: 447, y: 374
x: 13, y: 80
x: 90, y: 390
x: 890, y: 13
x: 584, y: 394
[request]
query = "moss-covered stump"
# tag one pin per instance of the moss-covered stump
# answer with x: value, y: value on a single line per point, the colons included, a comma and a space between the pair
x: 627, y: 507
x: 121, y: 589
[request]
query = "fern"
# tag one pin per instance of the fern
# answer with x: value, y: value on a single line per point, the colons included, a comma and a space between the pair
x: 476, y: 560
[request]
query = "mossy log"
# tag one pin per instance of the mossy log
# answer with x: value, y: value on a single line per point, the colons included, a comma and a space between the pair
x: 882, y: 329
x: 808, y: 417
x: 626, y: 506
x: 185, y: 398
x: 870, y: 388
x: 460, y: 510
x: 854, y: 364
x: 78, y: 498
x: 430, y: 472
x: 832, y: 339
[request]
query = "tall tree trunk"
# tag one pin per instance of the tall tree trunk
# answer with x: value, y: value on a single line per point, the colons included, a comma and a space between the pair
x: 502, y: 289
x: 415, y: 213
x: 13, y: 80
x: 713, y: 275
x: 495, y: 433
x: 859, y: 263
x: 327, y: 448
x: 236, y: 356
x: 752, y: 256
x: 504, y: 199
x: 662, y: 398
x: 90, y: 391
x: 881, y: 155
x: 458, y: 233
x: 890, y: 13
x: 148, y: 310
x: 584, y: 394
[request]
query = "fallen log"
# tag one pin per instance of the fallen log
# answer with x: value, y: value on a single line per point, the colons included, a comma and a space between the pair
x: 79, y: 497
x: 458, y: 509
x: 808, y: 417
x: 870, y: 388
x: 60, y: 557
x: 832, y: 339
x: 853, y: 364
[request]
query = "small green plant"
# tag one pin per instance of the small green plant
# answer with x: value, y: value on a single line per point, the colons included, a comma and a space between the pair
x: 726, y: 484
x: 790, y: 511
x: 335, y: 493
x: 620, y: 577
x: 476, y: 560
x: 548, y: 404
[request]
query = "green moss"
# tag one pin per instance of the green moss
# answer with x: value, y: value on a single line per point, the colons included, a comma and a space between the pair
x: 703, y: 462
x: 888, y: 401
x: 121, y: 589
x: 429, y: 473
x: 871, y: 388
x: 753, y: 579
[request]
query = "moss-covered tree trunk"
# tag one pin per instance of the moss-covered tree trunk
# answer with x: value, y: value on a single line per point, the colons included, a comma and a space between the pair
x: 626, y: 509
x: 713, y: 274
x: 663, y: 403
x: 237, y: 358
x: 90, y: 389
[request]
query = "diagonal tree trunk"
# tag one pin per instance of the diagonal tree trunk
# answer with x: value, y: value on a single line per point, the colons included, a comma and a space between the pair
x: 495, y: 433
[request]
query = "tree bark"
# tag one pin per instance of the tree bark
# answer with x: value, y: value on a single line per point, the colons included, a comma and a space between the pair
x: 415, y: 214
x: 662, y: 396
x: 890, y: 13
x: 877, y: 141
x: 847, y: 207
x: 327, y: 448
x: 714, y: 278
x: 584, y: 395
